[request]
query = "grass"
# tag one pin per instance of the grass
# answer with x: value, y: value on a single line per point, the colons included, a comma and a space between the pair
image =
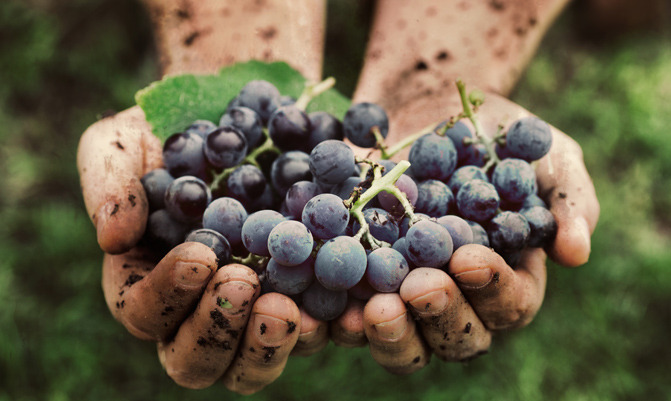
x: 602, y: 333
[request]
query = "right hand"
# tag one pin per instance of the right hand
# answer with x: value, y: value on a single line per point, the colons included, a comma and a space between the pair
x: 175, y: 301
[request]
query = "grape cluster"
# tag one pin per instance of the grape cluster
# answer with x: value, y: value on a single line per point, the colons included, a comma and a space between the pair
x: 276, y: 188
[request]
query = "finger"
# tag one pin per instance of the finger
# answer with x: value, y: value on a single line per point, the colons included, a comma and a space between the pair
x: 347, y: 330
x: 448, y: 323
x: 565, y: 183
x: 205, y: 343
x: 113, y: 155
x: 271, y: 334
x: 313, y: 337
x: 393, y: 337
x: 151, y: 304
x: 503, y: 298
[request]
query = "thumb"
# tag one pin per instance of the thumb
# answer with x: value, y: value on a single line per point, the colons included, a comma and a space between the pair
x: 113, y: 154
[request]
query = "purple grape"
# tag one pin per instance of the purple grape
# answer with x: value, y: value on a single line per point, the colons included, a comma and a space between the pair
x: 514, y: 180
x: 433, y: 157
x: 247, y: 121
x: 529, y: 138
x: 201, y: 128
x: 323, y: 127
x: 289, y: 128
x: 155, y: 184
x: 340, y: 263
x: 289, y: 168
x: 325, y: 215
x: 459, y: 230
x: 298, y: 195
x: 360, y: 120
x: 381, y: 225
x: 187, y: 198
x: 477, y: 200
x: 332, y: 162
x: 290, y: 243
x: 183, y: 155
x: 429, y: 244
x: 324, y: 304
x: 256, y: 229
x: 217, y: 242
x: 290, y: 280
x: 386, y: 269
x: 508, y: 232
x: 225, y: 147
x: 434, y: 198
x: 226, y: 216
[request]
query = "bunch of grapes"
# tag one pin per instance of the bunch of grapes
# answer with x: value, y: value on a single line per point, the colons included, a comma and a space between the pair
x: 277, y: 189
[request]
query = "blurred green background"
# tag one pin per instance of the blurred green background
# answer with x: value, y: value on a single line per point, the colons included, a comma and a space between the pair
x: 602, y: 334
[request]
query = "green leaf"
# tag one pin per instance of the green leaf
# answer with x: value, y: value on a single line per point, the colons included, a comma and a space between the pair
x: 174, y: 102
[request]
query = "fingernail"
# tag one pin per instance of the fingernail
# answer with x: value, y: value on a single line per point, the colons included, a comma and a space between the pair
x: 475, y: 279
x: 393, y: 329
x: 271, y: 330
x: 431, y: 303
x: 191, y: 273
x: 234, y: 296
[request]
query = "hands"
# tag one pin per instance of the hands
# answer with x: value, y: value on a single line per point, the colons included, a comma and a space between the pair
x: 176, y: 301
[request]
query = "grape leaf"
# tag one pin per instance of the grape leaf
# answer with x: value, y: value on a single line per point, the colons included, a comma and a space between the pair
x: 174, y: 102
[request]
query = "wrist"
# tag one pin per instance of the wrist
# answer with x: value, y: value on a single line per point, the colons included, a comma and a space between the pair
x: 201, y: 36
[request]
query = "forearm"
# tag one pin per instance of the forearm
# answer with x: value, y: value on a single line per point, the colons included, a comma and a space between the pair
x: 417, y: 49
x: 201, y: 36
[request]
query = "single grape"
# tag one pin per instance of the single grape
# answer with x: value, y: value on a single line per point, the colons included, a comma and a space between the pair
x: 289, y: 128
x: 325, y: 215
x: 464, y: 174
x: 459, y: 230
x: 290, y: 243
x: 514, y: 179
x: 381, y: 224
x: 332, y: 162
x: 226, y: 216
x: 360, y: 120
x: 256, y: 229
x: 186, y: 198
x: 298, y: 195
x: 323, y: 304
x: 429, y: 244
x: 323, y: 127
x: 260, y: 96
x: 225, y: 147
x: 289, y: 168
x: 386, y: 269
x: 479, y: 233
x: 286, y: 100
x: 183, y: 155
x: 433, y: 156
x: 477, y: 200
x: 247, y: 121
x: 340, y: 263
x: 155, y: 183
x: 389, y: 202
x: 542, y: 225
x: 290, y: 280
x: 217, y: 242
x: 460, y: 135
x: 529, y: 138
x: 508, y: 232
x: 164, y: 232
x: 246, y: 184
x: 201, y: 128
x: 434, y: 198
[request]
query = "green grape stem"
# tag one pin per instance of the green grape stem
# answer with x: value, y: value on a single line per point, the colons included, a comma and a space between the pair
x: 266, y: 146
x: 480, y: 137
x: 311, y: 91
x: 381, y: 183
